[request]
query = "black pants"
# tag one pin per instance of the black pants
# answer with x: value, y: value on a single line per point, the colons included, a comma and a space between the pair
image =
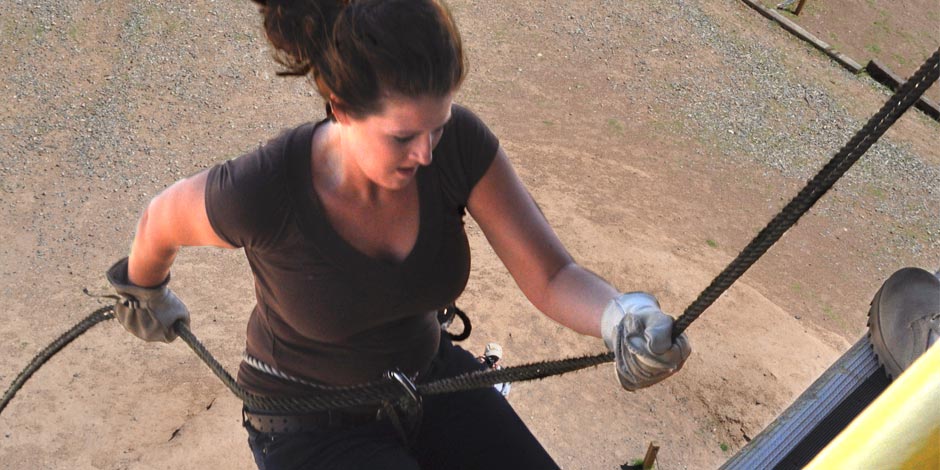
x: 469, y: 430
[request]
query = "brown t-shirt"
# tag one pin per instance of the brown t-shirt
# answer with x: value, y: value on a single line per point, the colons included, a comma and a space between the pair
x: 326, y: 311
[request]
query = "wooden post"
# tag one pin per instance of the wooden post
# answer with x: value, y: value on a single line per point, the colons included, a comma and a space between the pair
x: 799, y: 7
x: 650, y: 458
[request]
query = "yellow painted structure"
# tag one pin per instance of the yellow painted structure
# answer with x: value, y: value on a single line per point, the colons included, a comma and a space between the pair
x: 899, y: 430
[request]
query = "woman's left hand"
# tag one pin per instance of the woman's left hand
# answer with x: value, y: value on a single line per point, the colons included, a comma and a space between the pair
x: 640, y: 335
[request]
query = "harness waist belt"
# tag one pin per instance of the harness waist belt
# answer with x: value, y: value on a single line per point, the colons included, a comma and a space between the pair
x: 310, y: 422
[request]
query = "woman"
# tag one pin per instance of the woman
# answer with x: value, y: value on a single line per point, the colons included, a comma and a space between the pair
x: 353, y: 228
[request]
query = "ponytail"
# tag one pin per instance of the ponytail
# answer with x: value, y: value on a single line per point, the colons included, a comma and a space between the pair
x: 358, y: 50
x: 299, y: 31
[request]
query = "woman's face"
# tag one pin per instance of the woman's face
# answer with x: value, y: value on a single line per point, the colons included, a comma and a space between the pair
x: 388, y: 147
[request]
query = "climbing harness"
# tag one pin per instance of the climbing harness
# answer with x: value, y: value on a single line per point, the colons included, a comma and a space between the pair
x: 398, y: 387
x: 405, y: 414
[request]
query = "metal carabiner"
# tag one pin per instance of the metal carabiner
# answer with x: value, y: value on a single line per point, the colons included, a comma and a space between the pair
x: 406, y: 417
x: 411, y: 390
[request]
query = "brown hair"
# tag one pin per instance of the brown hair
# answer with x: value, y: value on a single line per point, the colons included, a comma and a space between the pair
x: 357, y: 50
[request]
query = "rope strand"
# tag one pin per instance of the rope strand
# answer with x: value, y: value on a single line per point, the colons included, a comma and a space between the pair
x: 98, y: 316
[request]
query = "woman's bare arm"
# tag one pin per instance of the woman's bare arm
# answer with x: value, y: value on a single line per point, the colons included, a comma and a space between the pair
x: 174, y: 218
x: 533, y: 254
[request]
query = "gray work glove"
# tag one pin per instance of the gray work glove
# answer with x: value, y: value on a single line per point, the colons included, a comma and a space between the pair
x: 147, y: 312
x: 640, y: 335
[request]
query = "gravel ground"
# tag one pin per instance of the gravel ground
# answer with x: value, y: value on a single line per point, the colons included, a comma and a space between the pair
x: 747, y: 101
x: 747, y: 104
x: 764, y: 114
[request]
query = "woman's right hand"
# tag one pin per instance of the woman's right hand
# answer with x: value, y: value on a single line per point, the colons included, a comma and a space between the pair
x: 176, y: 217
x: 147, y: 312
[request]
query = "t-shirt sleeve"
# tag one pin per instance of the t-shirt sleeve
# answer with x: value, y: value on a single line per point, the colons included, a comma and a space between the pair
x: 467, y: 148
x: 245, y: 197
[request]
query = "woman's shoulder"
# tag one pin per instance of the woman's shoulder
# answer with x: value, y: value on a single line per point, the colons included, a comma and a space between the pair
x: 465, y: 151
x: 462, y: 116
x: 251, y: 194
x: 467, y: 133
x: 270, y: 162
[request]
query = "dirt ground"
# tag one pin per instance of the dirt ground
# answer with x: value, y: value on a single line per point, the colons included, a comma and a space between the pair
x: 658, y: 137
x: 900, y: 35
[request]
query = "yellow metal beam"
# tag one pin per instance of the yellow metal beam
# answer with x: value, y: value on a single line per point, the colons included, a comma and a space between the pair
x: 899, y: 430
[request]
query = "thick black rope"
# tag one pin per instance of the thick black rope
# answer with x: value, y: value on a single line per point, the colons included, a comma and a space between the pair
x: 327, y: 397
x: 904, y: 98
x: 324, y: 397
x: 98, y: 316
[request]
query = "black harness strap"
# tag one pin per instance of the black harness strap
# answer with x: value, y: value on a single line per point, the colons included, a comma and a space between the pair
x: 446, y: 317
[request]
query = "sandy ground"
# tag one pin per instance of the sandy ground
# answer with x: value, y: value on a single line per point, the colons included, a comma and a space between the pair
x: 645, y: 131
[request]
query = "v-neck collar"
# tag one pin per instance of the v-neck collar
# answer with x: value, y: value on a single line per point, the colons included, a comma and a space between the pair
x: 315, y: 223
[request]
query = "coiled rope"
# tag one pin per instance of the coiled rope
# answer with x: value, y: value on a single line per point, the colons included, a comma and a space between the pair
x: 329, y: 397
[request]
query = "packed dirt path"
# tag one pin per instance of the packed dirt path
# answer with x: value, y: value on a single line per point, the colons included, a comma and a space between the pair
x: 658, y: 137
